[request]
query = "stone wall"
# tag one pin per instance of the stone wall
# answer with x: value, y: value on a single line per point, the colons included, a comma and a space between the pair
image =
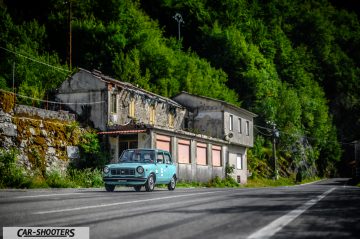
x: 42, y: 137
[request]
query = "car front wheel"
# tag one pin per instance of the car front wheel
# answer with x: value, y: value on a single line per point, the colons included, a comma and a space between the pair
x: 150, y: 183
x: 172, y: 183
x: 109, y: 187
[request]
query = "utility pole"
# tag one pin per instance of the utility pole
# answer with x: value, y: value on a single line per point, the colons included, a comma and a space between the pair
x: 70, y: 36
x: 13, y: 80
x: 180, y: 20
x: 275, y: 134
x: 276, y: 173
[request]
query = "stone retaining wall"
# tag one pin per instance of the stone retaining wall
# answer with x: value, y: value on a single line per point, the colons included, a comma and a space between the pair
x: 42, y: 137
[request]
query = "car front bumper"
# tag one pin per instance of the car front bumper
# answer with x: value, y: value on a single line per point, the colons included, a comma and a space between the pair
x: 125, y: 181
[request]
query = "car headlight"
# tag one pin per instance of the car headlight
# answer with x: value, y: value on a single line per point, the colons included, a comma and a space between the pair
x: 106, y: 170
x: 140, y: 170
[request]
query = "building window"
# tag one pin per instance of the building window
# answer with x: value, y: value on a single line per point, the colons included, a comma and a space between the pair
x: 216, y: 155
x: 201, y: 154
x: 247, y: 128
x: 183, y: 151
x: 171, y: 119
x: 113, y: 103
x: 163, y: 142
x: 132, y: 108
x: 239, y: 161
x: 152, y: 114
x: 231, y: 123
x: 240, y: 126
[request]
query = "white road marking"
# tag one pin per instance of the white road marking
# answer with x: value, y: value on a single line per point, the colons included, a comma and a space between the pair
x: 45, y: 195
x: 275, y: 226
x: 121, y: 203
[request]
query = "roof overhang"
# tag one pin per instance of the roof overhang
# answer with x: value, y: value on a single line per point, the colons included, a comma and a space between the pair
x: 123, y: 132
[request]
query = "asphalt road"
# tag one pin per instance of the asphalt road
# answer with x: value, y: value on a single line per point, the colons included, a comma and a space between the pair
x: 326, y: 209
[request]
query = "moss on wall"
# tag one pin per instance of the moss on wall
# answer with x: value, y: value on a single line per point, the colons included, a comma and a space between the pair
x: 41, y: 137
x: 24, y: 125
x: 36, y: 156
x: 7, y: 102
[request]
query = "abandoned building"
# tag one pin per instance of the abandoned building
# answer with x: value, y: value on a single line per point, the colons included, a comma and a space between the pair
x: 202, y: 134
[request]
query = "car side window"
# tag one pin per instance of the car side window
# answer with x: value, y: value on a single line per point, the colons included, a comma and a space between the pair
x: 167, y: 159
x: 148, y: 158
x: 160, y: 158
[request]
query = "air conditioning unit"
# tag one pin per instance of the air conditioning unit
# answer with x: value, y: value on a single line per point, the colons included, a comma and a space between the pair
x: 113, y: 119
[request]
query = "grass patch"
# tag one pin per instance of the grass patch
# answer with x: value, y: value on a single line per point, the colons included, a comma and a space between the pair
x: 216, y: 182
x: 266, y: 182
x: 187, y: 184
x: 310, y: 180
x: 229, y: 182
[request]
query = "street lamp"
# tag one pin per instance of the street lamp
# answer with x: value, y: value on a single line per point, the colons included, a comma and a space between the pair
x: 180, y: 20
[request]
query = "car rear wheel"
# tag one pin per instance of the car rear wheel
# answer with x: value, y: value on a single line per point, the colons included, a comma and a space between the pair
x: 109, y: 187
x: 172, y: 183
x: 150, y: 183
x: 137, y: 188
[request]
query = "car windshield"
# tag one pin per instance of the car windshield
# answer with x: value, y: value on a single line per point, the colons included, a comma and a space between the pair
x: 137, y: 156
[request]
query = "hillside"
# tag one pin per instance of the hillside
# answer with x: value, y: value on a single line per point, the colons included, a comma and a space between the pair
x: 293, y: 63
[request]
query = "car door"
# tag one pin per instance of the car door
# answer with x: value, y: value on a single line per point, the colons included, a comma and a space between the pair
x: 170, y: 167
x: 160, y: 168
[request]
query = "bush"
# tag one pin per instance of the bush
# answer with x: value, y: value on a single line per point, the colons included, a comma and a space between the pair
x: 85, y: 177
x: 92, y: 153
x: 217, y: 182
x: 12, y: 175
x: 56, y: 180
x: 38, y: 181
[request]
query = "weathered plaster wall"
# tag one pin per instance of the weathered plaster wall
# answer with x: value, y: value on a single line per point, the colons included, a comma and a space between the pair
x: 243, y: 172
x: 42, y: 137
x: 239, y: 136
x: 208, y: 120
x: 142, y: 110
x: 211, y: 117
x: 88, y: 97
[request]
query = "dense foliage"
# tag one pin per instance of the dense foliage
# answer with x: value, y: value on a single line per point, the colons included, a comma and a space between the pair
x: 14, y: 176
x: 294, y: 63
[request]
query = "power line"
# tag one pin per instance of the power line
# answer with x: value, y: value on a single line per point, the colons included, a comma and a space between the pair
x: 34, y: 60
x: 298, y: 135
x: 256, y: 128
x: 262, y: 127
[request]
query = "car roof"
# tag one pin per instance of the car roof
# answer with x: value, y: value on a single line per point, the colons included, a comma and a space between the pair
x: 160, y: 150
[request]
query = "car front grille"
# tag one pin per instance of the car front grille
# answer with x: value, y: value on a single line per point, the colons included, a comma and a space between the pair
x: 122, y: 171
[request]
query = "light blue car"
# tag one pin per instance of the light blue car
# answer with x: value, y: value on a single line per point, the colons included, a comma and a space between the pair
x: 141, y: 167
